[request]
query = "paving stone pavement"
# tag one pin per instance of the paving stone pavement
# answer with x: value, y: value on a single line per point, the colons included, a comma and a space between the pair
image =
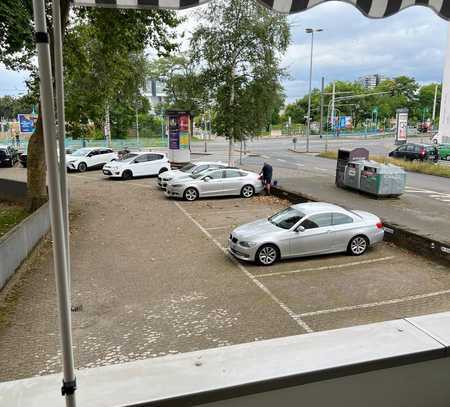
x: 145, y: 288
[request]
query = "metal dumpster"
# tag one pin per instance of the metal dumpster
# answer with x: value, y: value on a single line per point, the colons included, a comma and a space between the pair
x: 352, y: 174
x: 344, y: 157
x: 382, y: 180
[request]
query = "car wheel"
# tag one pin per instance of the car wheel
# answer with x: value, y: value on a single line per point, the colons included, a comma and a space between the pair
x: 247, y: 191
x: 358, y: 245
x: 191, y: 194
x: 162, y: 170
x: 126, y: 175
x: 82, y: 167
x: 267, y: 255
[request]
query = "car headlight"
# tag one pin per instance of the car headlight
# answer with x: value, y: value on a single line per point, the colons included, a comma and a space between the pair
x: 71, y: 162
x: 166, y: 179
x: 176, y: 185
x: 247, y: 244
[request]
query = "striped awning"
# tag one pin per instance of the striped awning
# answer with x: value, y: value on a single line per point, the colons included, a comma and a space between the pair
x: 370, y: 8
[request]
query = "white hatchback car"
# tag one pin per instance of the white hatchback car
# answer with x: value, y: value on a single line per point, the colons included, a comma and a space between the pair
x: 137, y: 164
x: 89, y: 157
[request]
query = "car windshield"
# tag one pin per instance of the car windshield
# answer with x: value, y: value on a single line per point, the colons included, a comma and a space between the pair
x: 81, y: 152
x: 128, y: 157
x: 188, y: 168
x: 287, y: 218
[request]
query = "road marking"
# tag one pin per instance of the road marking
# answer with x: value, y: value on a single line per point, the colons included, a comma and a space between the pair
x: 335, y: 266
x: 375, y: 304
x: 230, y: 211
x: 218, y: 227
x: 321, y: 169
x: 300, y: 165
x: 260, y: 285
x: 281, y: 160
x: 265, y: 156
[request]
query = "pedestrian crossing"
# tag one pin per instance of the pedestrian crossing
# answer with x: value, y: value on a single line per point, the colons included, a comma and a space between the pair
x: 439, y: 196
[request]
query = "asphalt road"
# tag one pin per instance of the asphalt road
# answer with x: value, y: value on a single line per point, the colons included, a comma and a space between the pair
x: 276, y: 152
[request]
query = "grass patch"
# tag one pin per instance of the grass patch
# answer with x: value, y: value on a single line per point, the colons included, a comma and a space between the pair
x: 420, y: 167
x: 10, y: 216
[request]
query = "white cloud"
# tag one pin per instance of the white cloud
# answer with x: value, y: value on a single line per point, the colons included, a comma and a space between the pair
x: 410, y: 43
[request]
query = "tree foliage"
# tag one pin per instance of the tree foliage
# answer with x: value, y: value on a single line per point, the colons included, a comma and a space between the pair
x: 238, y: 45
x: 399, y: 92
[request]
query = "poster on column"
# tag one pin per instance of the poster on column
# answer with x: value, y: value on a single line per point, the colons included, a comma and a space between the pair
x: 174, y: 133
x: 402, y: 126
x: 183, y: 123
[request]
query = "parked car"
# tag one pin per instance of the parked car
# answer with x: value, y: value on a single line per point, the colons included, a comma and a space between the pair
x: 89, y: 157
x: 137, y: 164
x: 8, y: 156
x: 191, y: 168
x: 444, y: 151
x: 23, y: 157
x: 412, y: 151
x: 306, y: 229
x: 218, y: 182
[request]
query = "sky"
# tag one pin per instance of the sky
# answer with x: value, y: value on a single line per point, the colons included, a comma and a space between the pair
x: 411, y: 43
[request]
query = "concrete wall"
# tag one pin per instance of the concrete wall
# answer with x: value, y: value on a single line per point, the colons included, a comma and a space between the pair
x: 12, y: 190
x: 17, y: 244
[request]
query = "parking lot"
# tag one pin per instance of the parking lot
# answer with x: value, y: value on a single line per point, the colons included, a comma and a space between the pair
x: 151, y: 276
x: 331, y: 291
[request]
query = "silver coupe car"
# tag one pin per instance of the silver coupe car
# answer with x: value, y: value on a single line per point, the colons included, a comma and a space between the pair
x: 305, y: 230
x: 218, y: 182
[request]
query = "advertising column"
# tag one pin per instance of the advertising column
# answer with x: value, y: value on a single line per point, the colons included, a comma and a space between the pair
x: 401, y: 135
x: 179, y: 137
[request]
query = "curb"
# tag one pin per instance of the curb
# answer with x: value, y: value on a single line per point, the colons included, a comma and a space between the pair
x: 312, y: 153
x: 400, y: 236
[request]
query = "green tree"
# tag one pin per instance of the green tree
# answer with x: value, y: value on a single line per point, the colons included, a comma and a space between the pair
x: 129, y: 31
x: 239, y: 43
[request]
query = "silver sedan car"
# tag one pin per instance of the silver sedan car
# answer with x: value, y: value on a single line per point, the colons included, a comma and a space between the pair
x: 218, y: 182
x: 305, y: 230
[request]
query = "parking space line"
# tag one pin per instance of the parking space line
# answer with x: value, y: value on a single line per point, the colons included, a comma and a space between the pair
x: 202, y: 211
x: 334, y: 266
x: 218, y: 228
x: 265, y: 156
x: 374, y: 304
x: 281, y: 160
x: 300, y: 165
x: 321, y: 169
x: 260, y: 285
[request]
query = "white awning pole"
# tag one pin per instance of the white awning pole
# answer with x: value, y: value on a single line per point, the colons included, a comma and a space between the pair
x: 59, y: 82
x: 56, y: 210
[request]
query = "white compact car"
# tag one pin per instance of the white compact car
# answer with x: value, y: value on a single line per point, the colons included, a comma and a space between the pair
x: 188, y: 169
x: 137, y: 164
x: 89, y: 157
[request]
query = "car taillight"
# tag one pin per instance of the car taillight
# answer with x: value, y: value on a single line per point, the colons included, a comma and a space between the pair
x: 422, y: 152
x: 379, y: 225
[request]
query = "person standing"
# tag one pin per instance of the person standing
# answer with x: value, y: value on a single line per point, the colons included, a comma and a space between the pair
x: 266, y: 177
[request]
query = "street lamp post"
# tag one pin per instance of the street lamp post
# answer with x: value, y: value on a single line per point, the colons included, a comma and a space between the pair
x: 308, y: 119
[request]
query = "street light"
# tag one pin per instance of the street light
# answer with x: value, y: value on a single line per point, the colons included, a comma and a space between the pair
x: 308, y: 119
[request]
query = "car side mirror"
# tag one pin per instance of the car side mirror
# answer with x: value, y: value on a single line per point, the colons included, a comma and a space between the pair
x: 206, y: 179
x: 300, y: 229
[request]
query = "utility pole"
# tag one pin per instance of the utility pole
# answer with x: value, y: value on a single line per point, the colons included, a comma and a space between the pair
x: 321, y: 107
x: 308, y: 119
x: 107, y: 126
x: 332, y: 105
x: 434, y: 107
x: 137, y: 127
